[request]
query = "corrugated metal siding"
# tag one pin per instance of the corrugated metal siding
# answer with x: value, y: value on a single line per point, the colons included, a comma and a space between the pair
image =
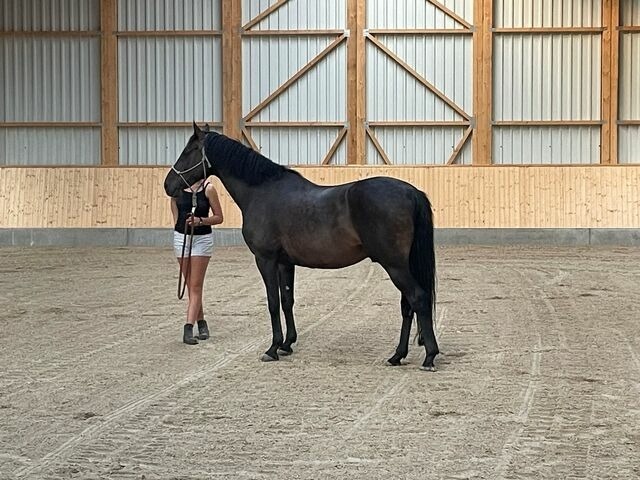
x: 59, y: 82
x: 412, y: 14
x: 50, y: 146
x: 547, y: 13
x: 629, y: 144
x: 169, y: 79
x: 298, y: 14
x: 158, y: 15
x: 419, y: 145
x: 546, y: 145
x: 152, y: 145
x: 49, y: 15
x: 297, y: 146
x: 547, y: 77
x: 446, y: 61
x: 629, y: 12
x: 319, y: 95
x: 629, y: 76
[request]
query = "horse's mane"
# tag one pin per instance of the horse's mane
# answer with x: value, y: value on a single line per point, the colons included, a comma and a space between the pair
x: 240, y: 161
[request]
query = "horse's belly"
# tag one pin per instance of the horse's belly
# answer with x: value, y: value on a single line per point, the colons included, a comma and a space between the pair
x: 334, y: 257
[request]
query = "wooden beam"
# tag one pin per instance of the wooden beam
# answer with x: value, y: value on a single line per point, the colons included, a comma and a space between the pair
x: 459, y: 146
x: 57, y: 33
x: 418, y: 77
x: 295, y: 33
x: 483, y: 84
x: 327, y: 158
x: 165, y: 124
x: 170, y: 33
x: 231, y: 69
x: 264, y: 14
x: 109, y: 81
x: 420, y: 123
x: 609, y: 82
x: 249, y: 138
x: 333, y: 45
x: 420, y: 31
x: 450, y: 13
x: 379, y: 148
x: 48, y: 124
x: 614, y: 94
x: 477, y: 80
x: 547, y: 30
x: 312, y: 124
x: 547, y: 123
x: 356, y: 74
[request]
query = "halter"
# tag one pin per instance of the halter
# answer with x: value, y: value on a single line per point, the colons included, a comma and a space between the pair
x: 204, y: 162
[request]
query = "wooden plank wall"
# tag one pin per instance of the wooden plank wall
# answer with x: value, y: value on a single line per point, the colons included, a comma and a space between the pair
x: 490, y: 197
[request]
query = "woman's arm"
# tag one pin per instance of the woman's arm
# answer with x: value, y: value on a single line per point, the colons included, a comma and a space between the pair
x: 216, y: 217
x: 174, y: 210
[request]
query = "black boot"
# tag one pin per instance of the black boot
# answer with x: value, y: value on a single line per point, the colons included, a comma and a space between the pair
x: 188, y: 337
x: 203, y: 329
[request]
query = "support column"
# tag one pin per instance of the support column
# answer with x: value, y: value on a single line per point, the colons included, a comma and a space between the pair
x: 109, y: 81
x: 356, y: 83
x: 232, y: 68
x: 483, y: 81
x: 609, y: 82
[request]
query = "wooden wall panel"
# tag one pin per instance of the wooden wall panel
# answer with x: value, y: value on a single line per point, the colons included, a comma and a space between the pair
x: 491, y: 197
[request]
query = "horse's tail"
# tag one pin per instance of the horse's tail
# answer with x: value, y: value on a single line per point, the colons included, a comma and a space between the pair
x: 422, y: 257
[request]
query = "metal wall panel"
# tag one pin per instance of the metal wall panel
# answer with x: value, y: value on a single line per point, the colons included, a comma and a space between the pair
x: 629, y: 12
x: 393, y: 94
x: 546, y: 145
x: 49, y: 15
x: 629, y: 76
x: 319, y: 95
x: 298, y: 14
x: 411, y: 14
x: 418, y: 145
x: 159, y: 15
x: 297, y: 146
x: 50, y: 146
x: 629, y: 144
x: 49, y: 79
x: 547, y: 77
x: 444, y: 60
x: 152, y: 145
x: 547, y: 13
x: 176, y: 79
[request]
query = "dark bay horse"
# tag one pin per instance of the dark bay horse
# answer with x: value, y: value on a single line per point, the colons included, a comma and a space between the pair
x: 289, y: 221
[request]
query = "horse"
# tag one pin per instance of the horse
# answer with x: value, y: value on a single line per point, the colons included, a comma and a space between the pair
x: 289, y: 221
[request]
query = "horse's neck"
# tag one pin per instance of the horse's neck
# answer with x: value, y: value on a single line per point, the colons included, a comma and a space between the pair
x: 239, y: 190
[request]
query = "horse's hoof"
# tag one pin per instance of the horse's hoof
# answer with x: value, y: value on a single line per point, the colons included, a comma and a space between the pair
x: 428, y: 369
x: 394, y: 362
x: 267, y: 358
x: 285, y: 351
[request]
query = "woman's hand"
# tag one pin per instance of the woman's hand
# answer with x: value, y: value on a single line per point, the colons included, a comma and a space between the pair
x: 195, y: 221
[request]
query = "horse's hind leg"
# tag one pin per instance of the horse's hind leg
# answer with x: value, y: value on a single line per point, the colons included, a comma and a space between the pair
x: 269, y: 271
x: 403, y: 346
x: 417, y: 298
x: 286, y: 275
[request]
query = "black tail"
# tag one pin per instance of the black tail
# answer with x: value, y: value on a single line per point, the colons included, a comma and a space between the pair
x: 422, y: 258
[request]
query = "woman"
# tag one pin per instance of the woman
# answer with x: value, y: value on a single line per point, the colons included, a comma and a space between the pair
x: 201, y: 250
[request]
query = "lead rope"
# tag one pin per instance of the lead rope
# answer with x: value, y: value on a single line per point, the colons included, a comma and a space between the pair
x: 187, y: 271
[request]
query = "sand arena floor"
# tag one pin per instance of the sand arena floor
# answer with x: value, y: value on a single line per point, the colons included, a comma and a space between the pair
x: 539, y: 375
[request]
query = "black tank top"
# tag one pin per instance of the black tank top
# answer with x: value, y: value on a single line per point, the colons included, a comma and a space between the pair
x: 184, y: 203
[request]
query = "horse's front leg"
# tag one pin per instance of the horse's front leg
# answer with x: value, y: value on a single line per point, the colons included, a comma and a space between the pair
x: 269, y: 271
x: 286, y: 277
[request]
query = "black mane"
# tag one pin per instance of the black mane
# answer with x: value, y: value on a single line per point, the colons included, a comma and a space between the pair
x: 240, y: 161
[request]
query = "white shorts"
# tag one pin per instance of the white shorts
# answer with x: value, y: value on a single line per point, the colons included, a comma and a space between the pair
x: 202, y: 245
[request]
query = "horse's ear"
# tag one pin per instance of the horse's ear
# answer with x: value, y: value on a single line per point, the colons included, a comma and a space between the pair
x: 206, y: 128
x: 196, y: 129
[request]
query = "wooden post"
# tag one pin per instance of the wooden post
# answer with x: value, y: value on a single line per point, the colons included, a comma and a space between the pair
x: 615, y: 62
x: 232, y: 68
x: 356, y: 87
x: 483, y: 81
x: 609, y: 103
x: 109, y: 83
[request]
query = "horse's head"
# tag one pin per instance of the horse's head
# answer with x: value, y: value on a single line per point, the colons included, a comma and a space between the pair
x: 192, y: 164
